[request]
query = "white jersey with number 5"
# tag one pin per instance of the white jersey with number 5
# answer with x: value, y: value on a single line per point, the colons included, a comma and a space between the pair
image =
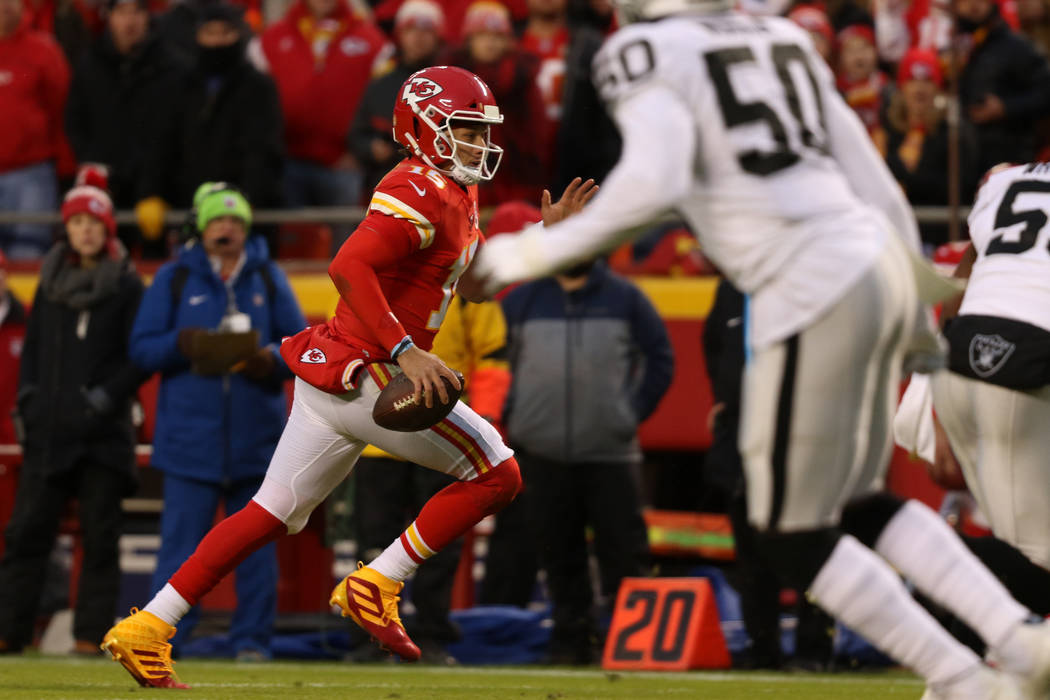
x: 1008, y: 227
x: 775, y: 199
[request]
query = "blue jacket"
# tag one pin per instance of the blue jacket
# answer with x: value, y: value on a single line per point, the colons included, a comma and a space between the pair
x: 587, y: 367
x: 214, y: 429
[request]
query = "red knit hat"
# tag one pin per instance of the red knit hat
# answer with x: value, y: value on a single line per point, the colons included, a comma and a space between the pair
x: 487, y: 16
x: 422, y: 14
x: 919, y: 64
x: 89, y: 196
x: 857, y: 31
x: 813, y: 19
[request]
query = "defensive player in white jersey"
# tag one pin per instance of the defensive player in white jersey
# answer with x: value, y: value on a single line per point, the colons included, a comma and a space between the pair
x: 995, y: 403
x: 733, y: 121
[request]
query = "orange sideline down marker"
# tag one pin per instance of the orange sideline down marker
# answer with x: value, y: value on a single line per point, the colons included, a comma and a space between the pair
x: 665, y: 624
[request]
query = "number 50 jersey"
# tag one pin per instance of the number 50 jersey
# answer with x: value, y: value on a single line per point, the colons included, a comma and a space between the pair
x: 1008, y: 227
x: 770, y: 201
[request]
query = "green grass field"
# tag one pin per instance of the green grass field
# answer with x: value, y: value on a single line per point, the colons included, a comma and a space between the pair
x: 30, y: 678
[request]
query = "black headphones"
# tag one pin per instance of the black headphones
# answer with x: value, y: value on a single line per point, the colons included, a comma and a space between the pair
x: 189, y: 227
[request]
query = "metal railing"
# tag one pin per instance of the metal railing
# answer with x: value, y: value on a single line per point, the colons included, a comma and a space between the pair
x: 347, y: 215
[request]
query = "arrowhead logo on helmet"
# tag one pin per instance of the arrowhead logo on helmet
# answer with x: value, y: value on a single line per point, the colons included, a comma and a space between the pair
x: 424, y: 125
x: 420, y: 88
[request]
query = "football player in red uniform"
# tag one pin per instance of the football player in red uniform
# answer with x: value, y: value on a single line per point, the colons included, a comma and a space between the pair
x: 396, y: 275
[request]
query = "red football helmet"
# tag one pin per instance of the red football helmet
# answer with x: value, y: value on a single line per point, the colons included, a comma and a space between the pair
x: 428, y: 104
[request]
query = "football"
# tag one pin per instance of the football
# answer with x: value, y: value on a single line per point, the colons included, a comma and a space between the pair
x: 396, y: 408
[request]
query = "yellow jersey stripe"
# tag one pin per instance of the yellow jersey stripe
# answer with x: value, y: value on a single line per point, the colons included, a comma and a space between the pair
x: 348, y: 374
x: 387, y: 204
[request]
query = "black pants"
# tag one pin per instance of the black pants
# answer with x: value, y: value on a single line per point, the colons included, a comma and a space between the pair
x: 566, y: 499
x: 30, y: 535
x: 758, y: 585
x: 388, y: 496
x: 513, y: 554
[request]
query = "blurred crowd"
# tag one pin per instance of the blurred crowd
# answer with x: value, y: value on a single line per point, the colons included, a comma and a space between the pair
x: 297, y: 112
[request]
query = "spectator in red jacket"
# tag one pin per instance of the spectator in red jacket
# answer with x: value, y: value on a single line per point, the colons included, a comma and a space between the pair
x: 490, y: 52
x: 12, y: 333
x: 34, y: 80
x: 858, y: 77
x: 546, y: 37
x: 321, y: 55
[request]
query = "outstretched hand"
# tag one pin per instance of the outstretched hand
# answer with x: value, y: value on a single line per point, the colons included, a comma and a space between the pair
x: 577, y: 194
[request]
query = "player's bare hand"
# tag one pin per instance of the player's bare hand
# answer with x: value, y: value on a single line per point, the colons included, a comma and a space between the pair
x: 426, y: 369
x: 945, y: 470
x: 712, y: 415
x: 573, y: 199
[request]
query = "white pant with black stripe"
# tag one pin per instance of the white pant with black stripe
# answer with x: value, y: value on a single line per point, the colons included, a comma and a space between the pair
x: 817, y: 407
x: 1001, y: 438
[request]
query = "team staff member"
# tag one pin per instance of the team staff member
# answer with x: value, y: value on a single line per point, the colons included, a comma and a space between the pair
x: 217, y: 426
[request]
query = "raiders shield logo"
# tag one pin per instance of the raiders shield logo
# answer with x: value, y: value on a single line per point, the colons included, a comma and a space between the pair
x: 988, y: 354
x: 313, y: 356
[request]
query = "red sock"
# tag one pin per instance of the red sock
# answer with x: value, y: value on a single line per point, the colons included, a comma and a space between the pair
x: 222, y: 549
x: 458, y: 507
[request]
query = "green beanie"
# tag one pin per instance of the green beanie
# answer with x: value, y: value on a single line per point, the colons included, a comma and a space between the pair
x: 215, y: 199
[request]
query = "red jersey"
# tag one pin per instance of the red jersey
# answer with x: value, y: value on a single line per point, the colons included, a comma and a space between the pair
x: 400, y: 268
x: 550, y: 79
x: 34, y: 82
x: 320, y: 92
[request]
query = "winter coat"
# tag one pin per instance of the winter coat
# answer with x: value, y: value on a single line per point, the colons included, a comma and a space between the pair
x: 1006, y: 65
x: 318, y: 99
x: 216, y: 429
x: 113, y: 107
x: 927, y: 184
x: 225, y: 127
x: 66, y: 353
x: 587, y: 367
x: 375, y: 119
x: 34, y: 80
x: 588, y: 143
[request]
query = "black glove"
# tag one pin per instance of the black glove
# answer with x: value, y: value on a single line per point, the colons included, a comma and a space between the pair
x: 185, y: 341
x: 97, y: 399
x: 259, y: 366
x: 20, y: 412
x: 24, y: 395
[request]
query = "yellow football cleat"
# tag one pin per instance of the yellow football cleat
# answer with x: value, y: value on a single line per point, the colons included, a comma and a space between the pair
x: 370, y: 599
x: 140, y: 644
